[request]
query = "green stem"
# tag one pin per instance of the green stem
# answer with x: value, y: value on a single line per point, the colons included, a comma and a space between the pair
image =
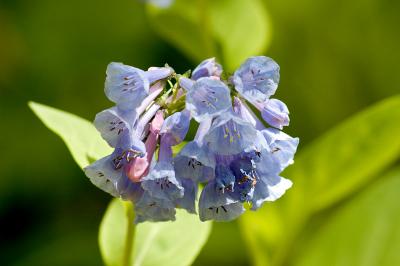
x: 204, y: 20
x: 130, y: 234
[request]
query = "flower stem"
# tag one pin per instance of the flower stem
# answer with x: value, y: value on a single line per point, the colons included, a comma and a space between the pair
x: 130, y: 234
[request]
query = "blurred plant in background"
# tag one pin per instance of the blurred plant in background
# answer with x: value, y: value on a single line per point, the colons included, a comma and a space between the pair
x: 336, y: 58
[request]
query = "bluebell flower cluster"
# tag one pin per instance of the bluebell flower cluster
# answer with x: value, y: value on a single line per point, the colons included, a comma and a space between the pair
x: 236, y: 156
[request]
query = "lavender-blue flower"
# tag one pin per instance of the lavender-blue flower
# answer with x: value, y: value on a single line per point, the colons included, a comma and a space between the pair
x: 257, y: 78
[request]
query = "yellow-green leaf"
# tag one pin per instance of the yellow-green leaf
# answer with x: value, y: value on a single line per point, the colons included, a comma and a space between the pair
x: 80, y: 136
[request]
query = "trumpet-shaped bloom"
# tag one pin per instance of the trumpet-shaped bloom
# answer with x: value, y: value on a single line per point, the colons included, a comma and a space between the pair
x: 103, y: 175
x: 217, y: 206
x: 109, y: 173
x: 257, y: 78
x: 112, y: 126
x: 282, y: 146
x: 161, y: 181
x: 128, y: 86
x: 207, y: 68
x: 207, y: 98
x: 229, y: 134
x: 260, y: 178
x: 195, y: 161
x: 153, y: 209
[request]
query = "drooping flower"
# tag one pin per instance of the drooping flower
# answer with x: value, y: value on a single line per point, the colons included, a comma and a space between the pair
x: 229, y: 134
x: 153, y: 209
x: 195, y: 160
x: 161, y: 181
x: 128, y: 86
x: 111, y: 126
x: 207, y: 98
x: 257, y: 78
x: 282, y: 146
x: 109, y: 173
x: 217, y: 206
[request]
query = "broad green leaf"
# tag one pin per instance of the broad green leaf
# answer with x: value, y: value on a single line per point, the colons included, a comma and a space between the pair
x: 80, y: 136
x: 330, y: 169
x: 366, y: 231
x: 166, y: 243
x: 112, y: 233
x: 170, y: 243
x: 231, y: 30
x: 348, y: 156
x: 241, y: 28
x: 179, y: 26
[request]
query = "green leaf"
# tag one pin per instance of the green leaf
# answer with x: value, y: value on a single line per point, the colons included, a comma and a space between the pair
x: 330, y: 169
x: 80, y: 136
x: 165, y: 243
x: 179, y: 26
x: 350, y: 155
x: 171, y: 243
x: 366, y: 231
x: 112, y: 233
x: 235, y: 28
x: 242, y: 29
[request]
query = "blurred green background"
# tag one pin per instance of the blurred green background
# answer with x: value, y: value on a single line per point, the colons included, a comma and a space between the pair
x: 336, y: 58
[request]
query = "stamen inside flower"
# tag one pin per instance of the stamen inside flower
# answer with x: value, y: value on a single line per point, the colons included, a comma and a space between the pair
x: 117, y: 125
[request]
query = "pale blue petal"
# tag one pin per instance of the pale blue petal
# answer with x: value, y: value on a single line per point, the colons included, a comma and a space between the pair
x: 282, y: 146
x: 186, y: 83
x: 195, y: 162
x: 275, y: 113
x: 266, y: 164
x: 269, y: 188
x: 126, y: 86
x: 175, y: 127
x: 129, y: 190
x: 257, y: 78
x: 224, y: 179
x: 103, y: 176
x: 161, y: 182
x: 230, y: 134
x: 208, y: 98
x: 187, y: 202
x: 217, y: 206
x: 207, y: 68
x: 131, y: 143
x: 245, y: 178
x: 153, y: 209
x: 111, y: 126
